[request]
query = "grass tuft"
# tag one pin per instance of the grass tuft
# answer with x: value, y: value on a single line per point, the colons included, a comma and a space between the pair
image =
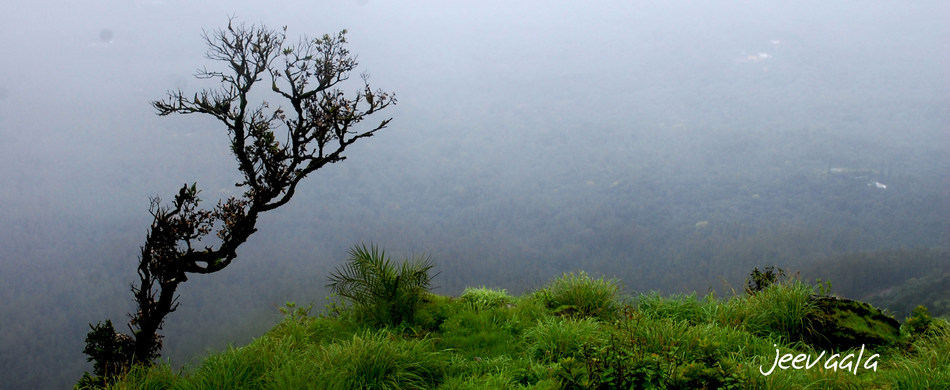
x: 483, y: 298
x: 380, y: 360
x: 560, y: 338
x: 581, y: 294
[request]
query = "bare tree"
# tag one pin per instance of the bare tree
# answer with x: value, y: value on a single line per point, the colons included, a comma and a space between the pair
x: 276, y: 146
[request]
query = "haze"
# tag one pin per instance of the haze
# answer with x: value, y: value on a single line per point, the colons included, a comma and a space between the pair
x: 671, y: 144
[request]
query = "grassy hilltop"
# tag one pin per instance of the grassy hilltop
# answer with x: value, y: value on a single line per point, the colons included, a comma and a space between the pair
x: 578, y: 332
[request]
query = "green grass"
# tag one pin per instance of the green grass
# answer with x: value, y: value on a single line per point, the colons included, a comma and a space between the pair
x: 558, y: 338
x: 483, y: 298
x: 581, y: 294
x: 479, y: 333
x: 780, y: 310
x: 487, y: 339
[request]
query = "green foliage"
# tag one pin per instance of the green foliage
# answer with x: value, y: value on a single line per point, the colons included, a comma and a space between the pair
x: 761, y: 280
x: 110, y: 352
x: 581, y: 294
x: 292, y: 312
x: 387, y: 293
x: 824, y: 288
x: 483, y: 298
x: 574, y: 374
x: 919, y: 321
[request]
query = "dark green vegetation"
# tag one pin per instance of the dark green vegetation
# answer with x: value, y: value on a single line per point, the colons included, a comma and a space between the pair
x: 486, y: 339
x: 846, y: 323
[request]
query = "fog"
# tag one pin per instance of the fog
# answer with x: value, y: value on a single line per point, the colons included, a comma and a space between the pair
x: 671, y: 144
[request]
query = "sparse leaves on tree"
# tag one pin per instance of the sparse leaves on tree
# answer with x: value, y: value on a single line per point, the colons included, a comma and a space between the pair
x: 308, y: 124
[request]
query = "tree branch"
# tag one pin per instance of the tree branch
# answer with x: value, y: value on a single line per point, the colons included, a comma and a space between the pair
x: 317, y: 128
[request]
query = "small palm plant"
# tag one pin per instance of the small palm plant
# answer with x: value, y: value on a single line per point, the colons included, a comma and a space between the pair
x: 388, y: 293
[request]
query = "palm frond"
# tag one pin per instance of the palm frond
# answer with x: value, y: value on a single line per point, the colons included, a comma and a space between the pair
x: 388, y: 293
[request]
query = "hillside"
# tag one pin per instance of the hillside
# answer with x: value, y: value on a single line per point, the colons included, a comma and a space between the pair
x: 580, y: 332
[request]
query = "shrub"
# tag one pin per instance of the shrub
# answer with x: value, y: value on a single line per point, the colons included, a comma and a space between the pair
x: 582, y: 295
x: 918, y: 322
x: 111, y: 353
x: 387, y: 293
x: 758, y: 281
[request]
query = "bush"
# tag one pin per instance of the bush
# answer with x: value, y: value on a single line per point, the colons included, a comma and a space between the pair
x: 758, y: 281
x: 388, y: 294
x: 110, y: 352
x: 919, y: 321
x: 581, y: 295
